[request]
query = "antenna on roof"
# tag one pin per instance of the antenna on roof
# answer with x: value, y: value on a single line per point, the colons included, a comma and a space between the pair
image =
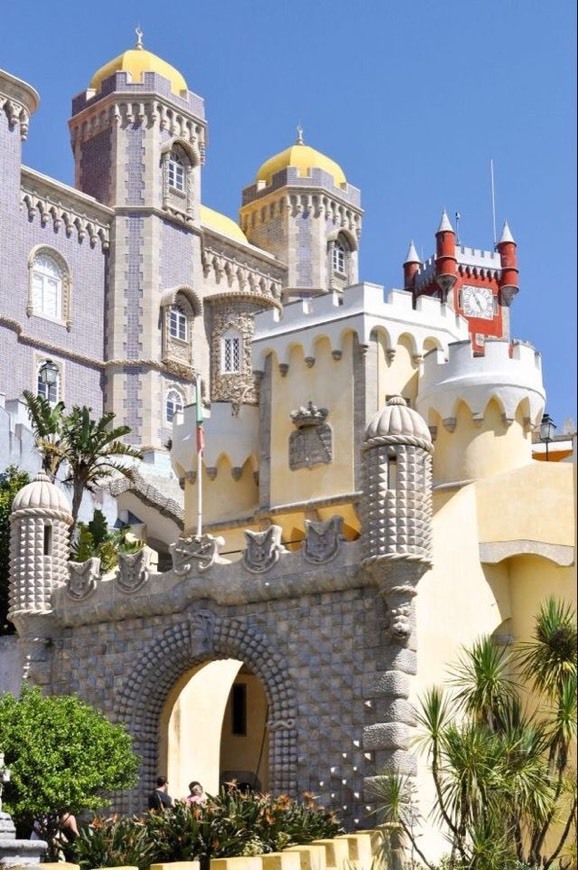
x: 493, y: 201
x: 458, y: 218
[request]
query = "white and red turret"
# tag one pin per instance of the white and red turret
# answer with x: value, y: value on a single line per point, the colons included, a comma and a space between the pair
x: 508, y: 282
x: 445, y: 262
x: 411, y: 267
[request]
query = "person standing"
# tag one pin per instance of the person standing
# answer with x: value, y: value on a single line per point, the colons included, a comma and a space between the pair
x: 159, y: 799
x: 196, y: 794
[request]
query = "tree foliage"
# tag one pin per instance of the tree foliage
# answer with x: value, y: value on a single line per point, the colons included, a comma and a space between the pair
x: 85, y: 451
x: 96, y: 539
x: 11, y: 481
x: 500, y: 758
x: 64, y: 756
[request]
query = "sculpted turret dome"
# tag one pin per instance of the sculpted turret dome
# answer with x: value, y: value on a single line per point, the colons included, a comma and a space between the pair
x: 398, y: 421
x: 137, y: 61
x: 303, y: 158
x: 41, y: 494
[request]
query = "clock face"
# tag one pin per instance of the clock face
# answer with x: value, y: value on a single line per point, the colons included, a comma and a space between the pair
x: 477, y: 302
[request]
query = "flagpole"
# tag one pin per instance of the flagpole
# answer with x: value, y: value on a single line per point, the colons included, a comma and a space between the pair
x: 199, y: 442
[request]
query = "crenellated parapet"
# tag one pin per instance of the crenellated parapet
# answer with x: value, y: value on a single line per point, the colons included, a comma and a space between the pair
x: 363, y: 310
x: 63, y: 207
x: 509, y: 373
x: 316, y: 205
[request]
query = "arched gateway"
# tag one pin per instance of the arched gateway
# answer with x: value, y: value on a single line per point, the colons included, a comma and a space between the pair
x: 200, y: 637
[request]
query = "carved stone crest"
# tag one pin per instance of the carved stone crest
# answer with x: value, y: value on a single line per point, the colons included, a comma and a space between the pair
x: 311, y: 444
x: 134, y: 569
x: 322, y: 539
x: 263, y: 549
x: 202, y: 624
x: 194, y: 553
x: 82, y: 578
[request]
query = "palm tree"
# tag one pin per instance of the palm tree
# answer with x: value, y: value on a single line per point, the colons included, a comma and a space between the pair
x: 46, y: 420
x: 93, y: 452
x: 90, y: 450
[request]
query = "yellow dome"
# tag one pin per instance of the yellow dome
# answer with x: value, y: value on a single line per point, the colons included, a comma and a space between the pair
x: 137, y: 61
x: 222, y: 224
x: 303, y: 158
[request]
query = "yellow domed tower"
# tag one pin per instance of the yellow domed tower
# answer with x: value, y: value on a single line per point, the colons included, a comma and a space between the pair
x: 302, y: 209
x: 138, y: 136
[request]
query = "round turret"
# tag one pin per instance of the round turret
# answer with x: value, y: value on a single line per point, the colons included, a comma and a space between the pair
x: 397, y: 490
x: 39, y: 520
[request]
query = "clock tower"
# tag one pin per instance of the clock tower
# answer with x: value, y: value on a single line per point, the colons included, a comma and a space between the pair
x: 478, y: 284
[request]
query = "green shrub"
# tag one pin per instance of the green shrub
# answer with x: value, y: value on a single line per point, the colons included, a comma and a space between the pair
x: 228, y: 825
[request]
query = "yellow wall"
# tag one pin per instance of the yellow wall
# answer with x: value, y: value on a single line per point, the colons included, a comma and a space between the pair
x: 327, y: 384
x: 249, y: 751
x: 479, y: 449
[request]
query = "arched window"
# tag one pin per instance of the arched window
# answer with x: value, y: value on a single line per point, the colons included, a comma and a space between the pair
x: 178, y: 323
x: 176, y: 172
x: 173, y: 404
x: 46, y: 286
x: 339, y: 256
x: 48, y: 381
x: 231, y: 347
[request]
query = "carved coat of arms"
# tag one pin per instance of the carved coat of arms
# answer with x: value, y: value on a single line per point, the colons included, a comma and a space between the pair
x: 82, y: 578
x: 322, y: 539
x: 194, y: 553
x: 263, y: 549
x: 134, y: 569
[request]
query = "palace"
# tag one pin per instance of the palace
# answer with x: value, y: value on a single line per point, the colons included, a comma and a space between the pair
x: 366, y: 501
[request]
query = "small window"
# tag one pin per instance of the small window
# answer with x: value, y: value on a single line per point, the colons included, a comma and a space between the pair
x: 174, y: 404
x: 176, y: 173
x: 48, y: 381
x: 339, y: 257
x: 231, y: 359
x: 48, y: 540
x: 47, y: 287
x: 239, y: 709
x: 178, y: 323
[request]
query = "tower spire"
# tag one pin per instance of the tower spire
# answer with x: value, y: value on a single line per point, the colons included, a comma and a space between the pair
x: 139, y: 36
x: 299, y: 140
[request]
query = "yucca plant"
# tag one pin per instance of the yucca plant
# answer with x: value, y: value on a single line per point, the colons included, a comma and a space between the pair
x: 502, y: 772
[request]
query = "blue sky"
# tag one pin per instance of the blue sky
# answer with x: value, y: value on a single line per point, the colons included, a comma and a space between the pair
x: 412, y: 98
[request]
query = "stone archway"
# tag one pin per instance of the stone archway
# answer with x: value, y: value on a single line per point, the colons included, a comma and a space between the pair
x: 202, y: 635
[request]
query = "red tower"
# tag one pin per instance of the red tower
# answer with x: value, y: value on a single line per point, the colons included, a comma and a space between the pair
x: 478, y: 284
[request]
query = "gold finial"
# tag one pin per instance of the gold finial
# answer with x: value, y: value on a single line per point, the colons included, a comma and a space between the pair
x: 139, y: 35
x: 299, y: 140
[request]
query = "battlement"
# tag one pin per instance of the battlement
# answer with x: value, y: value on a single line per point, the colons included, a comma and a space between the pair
x: 153, y: 83
x: 507, y: 372
x: 488, y: 263
x: 360, y: 309
x: 291, y: 177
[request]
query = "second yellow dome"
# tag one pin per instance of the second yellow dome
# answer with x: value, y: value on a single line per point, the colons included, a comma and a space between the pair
x: 303, y: 158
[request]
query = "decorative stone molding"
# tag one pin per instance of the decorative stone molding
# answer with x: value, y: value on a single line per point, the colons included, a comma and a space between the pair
x: 263, y: 549
x: 65, y: 208
x: 237, y: 386
x: 82, y: 578
x: 147, y: 110
x: 18, y: 101
x: 241, y: 274
x: 323, y: 540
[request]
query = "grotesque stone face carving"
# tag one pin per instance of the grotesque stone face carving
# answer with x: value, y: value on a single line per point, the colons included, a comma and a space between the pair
x: 202, y: 624
x: 323, y: 539
x: 400, y: 622
x: 193, y: 553
x: 263, y: 549
x: 82, y: 578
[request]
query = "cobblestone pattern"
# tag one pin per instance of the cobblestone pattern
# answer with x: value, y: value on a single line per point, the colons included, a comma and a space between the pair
x: 311, y: 655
